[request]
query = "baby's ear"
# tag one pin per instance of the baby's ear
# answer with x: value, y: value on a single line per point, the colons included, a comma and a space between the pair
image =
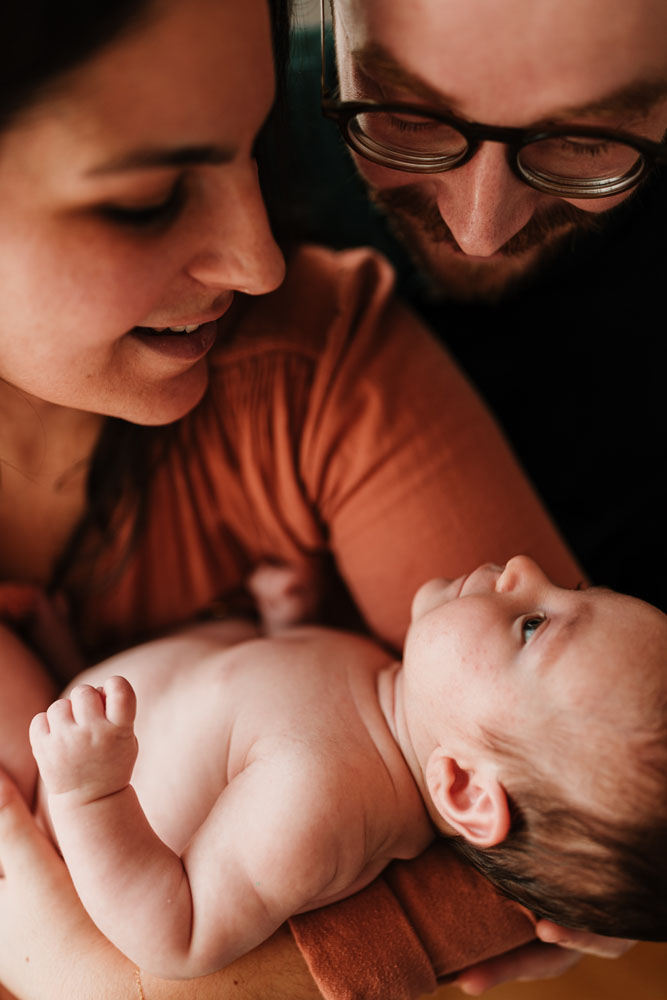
x: 471, y: 801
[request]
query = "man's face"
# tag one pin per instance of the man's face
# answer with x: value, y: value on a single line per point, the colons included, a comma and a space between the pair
x: 565, y: 672
x: 478, y: 228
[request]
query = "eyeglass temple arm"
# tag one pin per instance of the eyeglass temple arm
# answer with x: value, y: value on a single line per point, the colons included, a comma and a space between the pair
x: 322, y: 48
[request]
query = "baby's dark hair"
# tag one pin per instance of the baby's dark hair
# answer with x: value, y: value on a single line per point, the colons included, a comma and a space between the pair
x: 579, y: 869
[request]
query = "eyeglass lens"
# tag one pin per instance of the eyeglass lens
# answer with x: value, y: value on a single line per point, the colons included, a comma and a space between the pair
x: 424, y: 144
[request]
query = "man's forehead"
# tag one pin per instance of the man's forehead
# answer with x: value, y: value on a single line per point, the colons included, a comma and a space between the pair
x: 638, y: 96
x: 516, y: 60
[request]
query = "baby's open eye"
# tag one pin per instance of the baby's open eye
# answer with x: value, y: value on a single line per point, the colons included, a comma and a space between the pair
x: 530, y: 625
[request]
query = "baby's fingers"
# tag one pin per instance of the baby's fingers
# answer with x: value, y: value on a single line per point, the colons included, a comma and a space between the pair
x: 39, y: 729
x: 591, y: 944
x: 87, y: 705
x: 121, y: 701
x: 59, y: 714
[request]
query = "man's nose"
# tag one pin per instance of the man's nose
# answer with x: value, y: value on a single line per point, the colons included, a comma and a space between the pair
x: 235, y: 248
x: 483, y: 203
x: 519, y: 572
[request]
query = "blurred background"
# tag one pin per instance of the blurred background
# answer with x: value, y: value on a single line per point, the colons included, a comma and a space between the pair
x: 641, y: 974
x: 306, y: 11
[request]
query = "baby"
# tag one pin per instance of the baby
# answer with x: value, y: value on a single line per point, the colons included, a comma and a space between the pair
x: 279, y: 774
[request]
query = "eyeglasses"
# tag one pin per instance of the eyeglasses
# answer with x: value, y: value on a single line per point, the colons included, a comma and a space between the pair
x: 576, y: 162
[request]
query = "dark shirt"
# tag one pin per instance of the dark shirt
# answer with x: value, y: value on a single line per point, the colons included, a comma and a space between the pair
x: 572, y: 364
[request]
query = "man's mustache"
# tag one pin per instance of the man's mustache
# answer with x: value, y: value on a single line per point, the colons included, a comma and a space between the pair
x: 411, y: 201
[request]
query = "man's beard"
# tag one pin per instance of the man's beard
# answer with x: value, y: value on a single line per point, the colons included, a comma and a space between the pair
x: 418, y: 223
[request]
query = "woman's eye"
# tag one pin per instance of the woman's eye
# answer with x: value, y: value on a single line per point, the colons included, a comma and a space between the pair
x: 530, y: 625
x: 155, y: 215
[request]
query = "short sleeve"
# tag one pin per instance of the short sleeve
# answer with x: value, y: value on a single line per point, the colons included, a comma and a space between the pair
x: 409, y: 473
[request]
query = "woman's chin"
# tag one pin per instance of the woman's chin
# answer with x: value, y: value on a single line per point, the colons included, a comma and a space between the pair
x: 168, y: 403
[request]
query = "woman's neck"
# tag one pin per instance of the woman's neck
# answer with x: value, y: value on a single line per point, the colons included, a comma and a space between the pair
x: 44, y: 442
x: 45, y: 454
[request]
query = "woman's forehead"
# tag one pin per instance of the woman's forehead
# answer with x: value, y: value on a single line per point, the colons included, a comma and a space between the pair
x: 197, y: 75
x: 195, y: 61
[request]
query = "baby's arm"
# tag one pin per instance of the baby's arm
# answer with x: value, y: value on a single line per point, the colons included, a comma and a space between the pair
x: 248, y: 867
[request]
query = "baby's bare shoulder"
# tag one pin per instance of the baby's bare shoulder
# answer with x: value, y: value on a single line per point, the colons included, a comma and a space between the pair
x: 312, y: 684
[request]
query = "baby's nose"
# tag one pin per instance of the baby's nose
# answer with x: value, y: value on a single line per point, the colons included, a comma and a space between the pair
x: 519, y: 571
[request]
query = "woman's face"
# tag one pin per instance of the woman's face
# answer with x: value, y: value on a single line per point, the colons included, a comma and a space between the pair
x: 130, y: 199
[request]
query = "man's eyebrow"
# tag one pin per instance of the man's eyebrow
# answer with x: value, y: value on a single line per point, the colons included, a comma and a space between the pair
x: 374, y: 60
x: 147, y: 159
x: 638, y: 96
x: 555, y: 641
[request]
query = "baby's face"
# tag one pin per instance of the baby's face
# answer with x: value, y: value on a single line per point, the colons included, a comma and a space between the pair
x: 506, y: 649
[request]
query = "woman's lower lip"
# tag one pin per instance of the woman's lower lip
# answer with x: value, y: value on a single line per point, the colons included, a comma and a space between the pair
x: 181, y: 346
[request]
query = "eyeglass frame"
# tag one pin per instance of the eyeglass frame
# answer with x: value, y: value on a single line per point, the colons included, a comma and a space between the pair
x: 475, y: 133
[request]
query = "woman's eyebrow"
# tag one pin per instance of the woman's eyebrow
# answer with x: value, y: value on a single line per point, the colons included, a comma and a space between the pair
x: 147, y: 159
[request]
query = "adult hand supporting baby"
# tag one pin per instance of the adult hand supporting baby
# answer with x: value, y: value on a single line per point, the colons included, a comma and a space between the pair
x: 39, y: 910
x: 557, y: 950
x: 51, y: 949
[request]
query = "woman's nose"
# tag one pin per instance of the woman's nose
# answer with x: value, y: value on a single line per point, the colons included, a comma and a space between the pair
x: 235, y: 248
x: 519, y: 572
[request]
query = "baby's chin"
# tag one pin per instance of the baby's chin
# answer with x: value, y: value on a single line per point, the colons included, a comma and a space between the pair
x: 434, y: 592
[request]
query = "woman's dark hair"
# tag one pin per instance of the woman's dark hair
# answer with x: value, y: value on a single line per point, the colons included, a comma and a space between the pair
x: 43, y: 40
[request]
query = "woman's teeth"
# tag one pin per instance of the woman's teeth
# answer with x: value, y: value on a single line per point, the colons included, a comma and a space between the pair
x: 177, y: 329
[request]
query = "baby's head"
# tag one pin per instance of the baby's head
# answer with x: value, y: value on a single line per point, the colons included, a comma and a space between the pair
x: 538, y: 716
